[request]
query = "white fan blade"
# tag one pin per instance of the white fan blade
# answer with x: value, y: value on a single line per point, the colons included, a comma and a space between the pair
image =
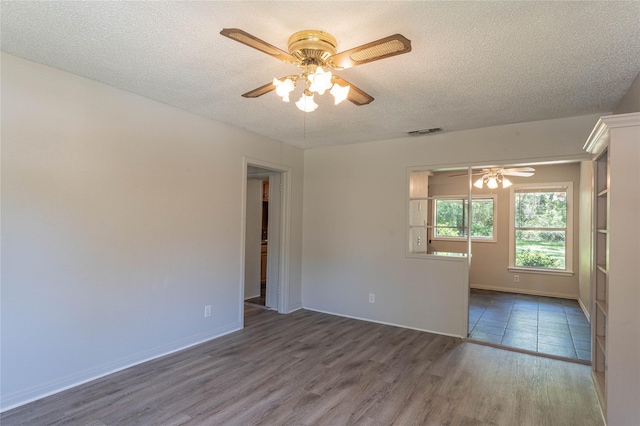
x: 518, y: 171
x: 522, y: 174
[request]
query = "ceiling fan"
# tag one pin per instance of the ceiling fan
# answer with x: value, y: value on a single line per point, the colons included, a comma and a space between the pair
x: 314, y: 52
x: 496, y: 175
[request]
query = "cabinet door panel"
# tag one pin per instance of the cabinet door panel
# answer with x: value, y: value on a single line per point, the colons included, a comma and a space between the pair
x: 418, y: 240
x: 418, y: 212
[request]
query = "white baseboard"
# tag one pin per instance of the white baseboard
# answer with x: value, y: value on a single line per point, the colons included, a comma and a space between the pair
x: 385, y: 323
x: 584, y: 310
x: 294, y: 307
x: 250, y: 297
x: 35, y: 393
x: 524, y: 291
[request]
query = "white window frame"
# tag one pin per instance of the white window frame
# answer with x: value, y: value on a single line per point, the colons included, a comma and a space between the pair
x: 492, y: 239
x: 551, y: 186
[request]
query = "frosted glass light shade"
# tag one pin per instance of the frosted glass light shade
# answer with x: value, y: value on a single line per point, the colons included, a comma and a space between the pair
x: 283, y: 88
x: 492, y: 183
x: 478, y: 183
x: 506, y: 183
x: 306, y: 103
x: 320, y: 81
x: 339, y: 93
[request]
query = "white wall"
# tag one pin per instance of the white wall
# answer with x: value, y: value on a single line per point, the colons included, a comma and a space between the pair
x: 631, y: 100
x: 355, y: 217
x: 490, y: 261
x: 121, y: 219
x: 253, y: 238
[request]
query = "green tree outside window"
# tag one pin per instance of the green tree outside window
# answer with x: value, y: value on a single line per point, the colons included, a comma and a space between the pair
x: 451, y: 217
x: 540, y: 229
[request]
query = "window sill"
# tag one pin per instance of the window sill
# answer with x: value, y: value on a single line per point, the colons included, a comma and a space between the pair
x: 539, y: 271
x: 464, y: 240
x: 439, y: 255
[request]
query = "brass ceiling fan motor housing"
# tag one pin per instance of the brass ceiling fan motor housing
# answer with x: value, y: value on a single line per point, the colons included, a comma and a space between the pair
x: 312, y: 46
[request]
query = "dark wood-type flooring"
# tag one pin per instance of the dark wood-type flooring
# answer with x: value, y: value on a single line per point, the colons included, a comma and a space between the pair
x: 258, y: 300
x: 311, y: 368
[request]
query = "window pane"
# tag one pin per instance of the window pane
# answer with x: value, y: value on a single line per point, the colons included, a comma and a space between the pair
x: 540, y: 249
x: 449, y: 218
x: 482, y: 218
x: 541, y: 209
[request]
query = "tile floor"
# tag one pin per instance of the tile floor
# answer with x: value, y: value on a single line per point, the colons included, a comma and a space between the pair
x: 543, y: 324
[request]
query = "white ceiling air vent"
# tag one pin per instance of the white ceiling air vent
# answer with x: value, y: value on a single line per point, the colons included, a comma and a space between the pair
x: 425, y: 131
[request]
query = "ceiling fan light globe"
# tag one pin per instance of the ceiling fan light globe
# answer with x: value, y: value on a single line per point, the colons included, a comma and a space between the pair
x: 320, y: 81
x: 492, y: 183
x: 478, y: 183
x: 506, y: 183
x: 339, y: 93
x: 283, y: 88
x: 306, y: 103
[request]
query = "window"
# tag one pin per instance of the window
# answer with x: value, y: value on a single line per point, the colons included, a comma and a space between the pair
x: 450, y: 217
x: 541, y: 227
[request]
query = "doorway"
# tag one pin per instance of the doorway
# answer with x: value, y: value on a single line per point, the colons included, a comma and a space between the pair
x: 257, y: 232
x: 265, y: 237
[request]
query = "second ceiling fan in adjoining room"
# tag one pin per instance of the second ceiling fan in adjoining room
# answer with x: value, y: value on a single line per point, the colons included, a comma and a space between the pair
x: 495, y: 176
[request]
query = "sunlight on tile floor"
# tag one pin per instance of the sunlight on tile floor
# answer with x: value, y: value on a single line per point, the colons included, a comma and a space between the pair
x: 543, y: 324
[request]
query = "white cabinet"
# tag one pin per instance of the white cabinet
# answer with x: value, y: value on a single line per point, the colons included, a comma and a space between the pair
x: 615, y: 143
x: 418, y: 211
x: 600, y: 272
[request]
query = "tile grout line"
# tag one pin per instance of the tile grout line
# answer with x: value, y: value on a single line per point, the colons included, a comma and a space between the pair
x: 499, y: 304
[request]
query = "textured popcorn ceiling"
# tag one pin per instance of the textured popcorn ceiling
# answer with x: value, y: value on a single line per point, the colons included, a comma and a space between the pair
x: 473, y: 64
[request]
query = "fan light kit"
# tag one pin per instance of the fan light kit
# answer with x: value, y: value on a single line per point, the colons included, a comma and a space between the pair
x: 314, y: 52
x: 492, y: 181
x: 495, y: 177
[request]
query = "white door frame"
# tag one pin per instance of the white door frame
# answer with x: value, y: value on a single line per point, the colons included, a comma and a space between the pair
x: 284, y: 250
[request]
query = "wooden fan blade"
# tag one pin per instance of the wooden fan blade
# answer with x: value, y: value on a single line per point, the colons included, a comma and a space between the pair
x: 379, y: 49
x: 261, y: 45
x: 356, y: 95
x: 261, y: 90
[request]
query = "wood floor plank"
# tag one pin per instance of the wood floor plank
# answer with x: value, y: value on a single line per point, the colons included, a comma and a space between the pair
x: 309, y: 368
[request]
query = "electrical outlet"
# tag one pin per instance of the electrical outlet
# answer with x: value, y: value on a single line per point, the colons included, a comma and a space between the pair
x: 207, y: 311
x: 516, y: 278
x: 372, y: 298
